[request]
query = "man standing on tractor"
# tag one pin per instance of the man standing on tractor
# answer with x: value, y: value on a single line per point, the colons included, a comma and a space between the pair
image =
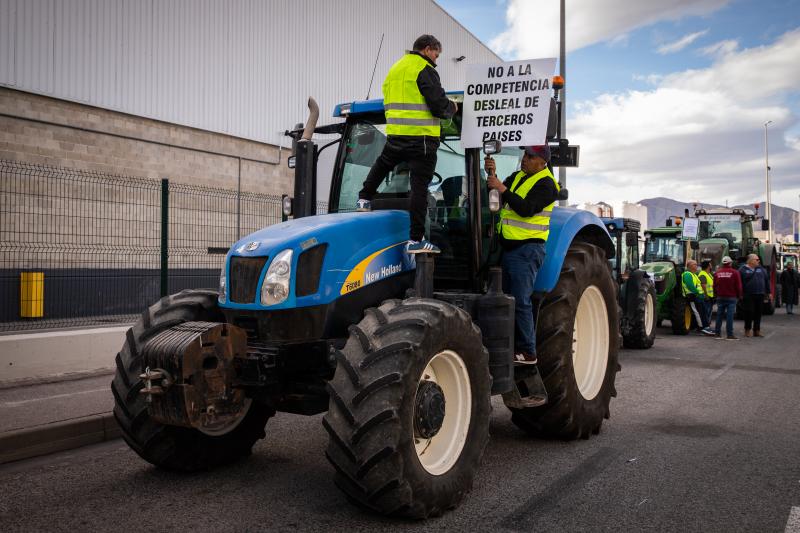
x: 707, y: 282
x: 729, y: 290
x: 694, y: 295
x: 414, y: 101
x: 755, y: 281
x: 528, y: 198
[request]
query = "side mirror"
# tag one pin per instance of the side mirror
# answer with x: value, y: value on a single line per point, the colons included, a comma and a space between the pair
x: 563, y: 194
x: 631, y: 239
x: 694, y: 245
x: 764, y: 224
x: 492, y: 147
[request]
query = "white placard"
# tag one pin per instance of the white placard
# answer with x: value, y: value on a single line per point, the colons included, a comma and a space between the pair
x: 690, y: 226
x: 509, y: 102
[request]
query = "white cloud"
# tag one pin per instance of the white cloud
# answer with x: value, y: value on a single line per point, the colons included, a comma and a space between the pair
x: 650, y: 79
x: 698, y: 135
x: 720, y: 49
x: 680, y: 44
x: 533, y: 25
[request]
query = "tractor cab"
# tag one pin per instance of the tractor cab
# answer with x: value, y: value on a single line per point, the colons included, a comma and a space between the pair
x: 625, y: 232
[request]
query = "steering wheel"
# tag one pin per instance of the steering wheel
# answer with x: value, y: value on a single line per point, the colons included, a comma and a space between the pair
x: 434, y: 180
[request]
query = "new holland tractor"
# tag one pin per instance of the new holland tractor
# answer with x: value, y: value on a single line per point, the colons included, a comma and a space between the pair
x: 328, y: 314
x: 729, y: 231
x: 665, y: 259
x: 637, y: 295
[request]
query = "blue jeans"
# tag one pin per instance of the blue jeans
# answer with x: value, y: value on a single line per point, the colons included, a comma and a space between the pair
x: 520, y: 267
x: 725, y: 307
x: 708, y: 306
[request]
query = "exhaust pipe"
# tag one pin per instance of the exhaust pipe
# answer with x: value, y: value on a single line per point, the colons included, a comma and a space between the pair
x: 305, y: 170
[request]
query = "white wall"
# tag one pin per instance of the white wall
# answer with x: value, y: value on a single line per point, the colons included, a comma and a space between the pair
x: 240, y: 67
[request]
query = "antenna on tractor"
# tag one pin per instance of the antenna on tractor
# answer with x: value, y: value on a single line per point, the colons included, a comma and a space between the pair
x: 369, y: 90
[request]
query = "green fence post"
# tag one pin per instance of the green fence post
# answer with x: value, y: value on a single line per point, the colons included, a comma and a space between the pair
x: 164, y: 237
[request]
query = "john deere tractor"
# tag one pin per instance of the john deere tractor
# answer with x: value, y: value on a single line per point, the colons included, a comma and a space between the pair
x: 637, y: 295
x: 665, y: 259
x: 724, y: 231
x: 328, y: 314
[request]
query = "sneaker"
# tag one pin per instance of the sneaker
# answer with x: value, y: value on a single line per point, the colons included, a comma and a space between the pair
x: 732, y: 338
x: 707, y: 331
x: 363, y: 205
x: 525, y: 358
x: 718, y: 336
x: 422, y: 247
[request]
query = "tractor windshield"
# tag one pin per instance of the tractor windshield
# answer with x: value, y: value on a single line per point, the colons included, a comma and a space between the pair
x: 447, y: 223
x: 665, y: 248
x: 726, y: 227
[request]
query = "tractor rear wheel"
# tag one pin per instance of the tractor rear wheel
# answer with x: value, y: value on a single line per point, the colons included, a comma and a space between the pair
x: 173, y: 447
x: 409, y: 408
x: 642, y: 333
x: 681, y: 316
x: 576, y: 342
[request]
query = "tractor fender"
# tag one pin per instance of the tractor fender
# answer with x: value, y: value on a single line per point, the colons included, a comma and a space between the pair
x: 568, y: 225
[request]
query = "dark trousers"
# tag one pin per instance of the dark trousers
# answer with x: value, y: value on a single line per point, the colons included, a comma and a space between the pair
x: 752, y: 304
x: 420, y: 155
x: 520, y: 267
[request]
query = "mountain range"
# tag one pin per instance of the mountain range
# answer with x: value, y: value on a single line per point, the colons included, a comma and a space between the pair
x: 660, y: 208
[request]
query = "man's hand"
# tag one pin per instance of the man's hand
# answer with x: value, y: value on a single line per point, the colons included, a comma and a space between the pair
x: 495, y: 183
x: 489, y: 165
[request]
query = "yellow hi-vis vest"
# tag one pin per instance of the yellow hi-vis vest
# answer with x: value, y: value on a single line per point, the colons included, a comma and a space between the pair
x: 709, y: 282
x: 517, y: 228
x: 407, y: 113
x: 695, y: 281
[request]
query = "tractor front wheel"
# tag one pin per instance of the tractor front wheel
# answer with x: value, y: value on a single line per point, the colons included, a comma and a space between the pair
x: 642, y: 333
x: 409, y: 408
x: 681, y: 316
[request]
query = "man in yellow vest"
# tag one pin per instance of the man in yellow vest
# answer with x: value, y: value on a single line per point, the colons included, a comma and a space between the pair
x: 528, y: 196
x: 414, y: 103
x: 693, y: 293
x: 706, y: 277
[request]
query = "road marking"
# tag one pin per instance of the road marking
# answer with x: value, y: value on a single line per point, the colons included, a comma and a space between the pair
x: 718, y: 373
x: 793, y: 524
x: 23, y: 402
x: 768, y: 335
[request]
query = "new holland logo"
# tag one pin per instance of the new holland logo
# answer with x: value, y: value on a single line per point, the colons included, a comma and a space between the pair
x: 252, y: 246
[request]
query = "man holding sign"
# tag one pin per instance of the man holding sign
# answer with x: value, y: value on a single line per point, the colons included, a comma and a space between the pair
x: 528, y: 196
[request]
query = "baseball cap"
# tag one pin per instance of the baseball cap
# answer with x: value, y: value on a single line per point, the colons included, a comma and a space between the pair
x: 727, y: 260
x: 542, y: 151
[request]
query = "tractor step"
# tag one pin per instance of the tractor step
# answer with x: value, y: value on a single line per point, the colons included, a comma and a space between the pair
x: 529, y: 390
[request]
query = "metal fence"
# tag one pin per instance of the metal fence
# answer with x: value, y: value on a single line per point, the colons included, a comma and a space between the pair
x: 83, y: 248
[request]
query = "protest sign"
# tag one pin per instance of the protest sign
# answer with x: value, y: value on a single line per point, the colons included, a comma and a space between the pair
x: 690, y: 227
x: 509, y: 102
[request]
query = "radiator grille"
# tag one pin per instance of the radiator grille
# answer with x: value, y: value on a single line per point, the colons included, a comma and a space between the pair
x: 245, y: 272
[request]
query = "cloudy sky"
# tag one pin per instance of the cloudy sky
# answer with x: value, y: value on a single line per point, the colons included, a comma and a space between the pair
x: 666, y: 98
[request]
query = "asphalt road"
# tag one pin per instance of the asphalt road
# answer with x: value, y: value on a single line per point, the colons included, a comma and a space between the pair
x: 704, y: 436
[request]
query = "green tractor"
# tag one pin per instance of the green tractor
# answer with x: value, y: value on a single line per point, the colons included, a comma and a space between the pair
x: 729, y: 231
x: 665, y: 258
x: 637, y: 295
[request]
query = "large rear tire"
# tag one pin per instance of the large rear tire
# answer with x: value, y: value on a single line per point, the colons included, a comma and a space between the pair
x: 681, y: 316
x: 409, y: 409
x: 577, y: 337
x: 173, y: 447
x: 642, y: 333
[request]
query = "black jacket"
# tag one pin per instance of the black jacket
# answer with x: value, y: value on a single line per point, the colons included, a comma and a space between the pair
x: 540, y: 196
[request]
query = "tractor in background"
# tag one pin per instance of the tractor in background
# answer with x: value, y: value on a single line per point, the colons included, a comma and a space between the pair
x: 328, y: 314
x: 665, y: 259
x: 729, y: 231
x: 637, y: 294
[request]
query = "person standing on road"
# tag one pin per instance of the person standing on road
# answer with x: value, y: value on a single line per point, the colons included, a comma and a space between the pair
x: 728, y: 288
x: 414, y: 102
x: 528, y: 197
x: 790, y: 283
x: 755, y: 284
x: 694, y: 295
x: 707, y: 283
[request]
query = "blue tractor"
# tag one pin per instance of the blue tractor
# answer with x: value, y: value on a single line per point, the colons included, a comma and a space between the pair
x: 327, y: 313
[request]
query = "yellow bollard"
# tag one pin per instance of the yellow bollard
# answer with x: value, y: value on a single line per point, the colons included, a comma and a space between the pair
x: 31, y: 294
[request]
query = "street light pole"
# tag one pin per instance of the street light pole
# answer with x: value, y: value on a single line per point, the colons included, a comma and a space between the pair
x: 766, y: 180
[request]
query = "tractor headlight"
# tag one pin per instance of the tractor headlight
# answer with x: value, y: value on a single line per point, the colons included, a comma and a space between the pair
x: 223, y: 286
x: 658, y: 277
x: 275, y: 288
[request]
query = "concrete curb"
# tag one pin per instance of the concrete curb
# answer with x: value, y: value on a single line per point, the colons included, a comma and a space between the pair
x: 57, y: 437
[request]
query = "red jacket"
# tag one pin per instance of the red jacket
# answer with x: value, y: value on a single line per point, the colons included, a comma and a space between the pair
x: 727, y: 283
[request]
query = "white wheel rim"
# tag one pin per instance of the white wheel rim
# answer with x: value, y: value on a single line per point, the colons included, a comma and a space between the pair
x: 439, y: 453
x: 649, y: 314
x: 590, y: 342
x: 221, y: 429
